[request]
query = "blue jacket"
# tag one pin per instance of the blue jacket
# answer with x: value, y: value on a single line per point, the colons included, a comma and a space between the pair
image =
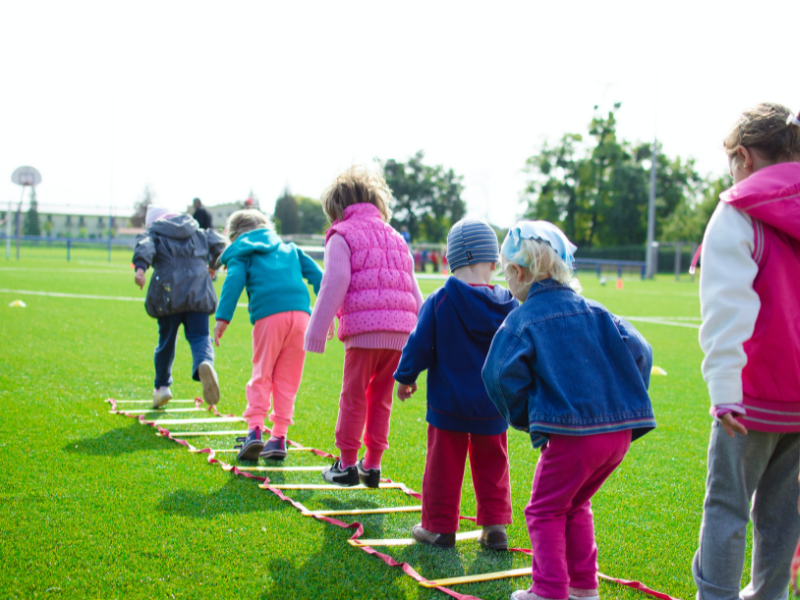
x: 271, y: 271
x: 452, y: 337
x: 564, y: 364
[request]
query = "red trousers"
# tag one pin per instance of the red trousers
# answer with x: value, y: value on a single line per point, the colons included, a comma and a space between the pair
x: 444, y: 477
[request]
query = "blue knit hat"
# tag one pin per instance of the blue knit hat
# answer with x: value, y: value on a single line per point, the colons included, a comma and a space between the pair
x: 471, y: 241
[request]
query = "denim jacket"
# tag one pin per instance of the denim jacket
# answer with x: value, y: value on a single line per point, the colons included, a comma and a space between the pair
x: 563, y: 364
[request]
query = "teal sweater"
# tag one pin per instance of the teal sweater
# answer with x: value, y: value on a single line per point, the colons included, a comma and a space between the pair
x: 271, y: 271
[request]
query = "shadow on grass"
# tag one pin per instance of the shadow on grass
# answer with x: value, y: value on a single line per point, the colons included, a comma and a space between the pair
x: 116, y: 442
x: 232, y: 498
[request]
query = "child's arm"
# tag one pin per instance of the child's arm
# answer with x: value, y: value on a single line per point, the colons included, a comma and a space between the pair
x: 332, y: 290
x: 415, y: 288
x: 419, y: 353
x: 216, y: 246
x: 508, y: 377
x: 639, y: 348
x: 729, y: 306
x: 229, y: 297
x: 311, y: 271
x: 143, y: 254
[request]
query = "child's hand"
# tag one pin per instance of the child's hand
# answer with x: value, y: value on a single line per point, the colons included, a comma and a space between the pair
x: 219, y: 329
x: 404, y: 392
x: 139, y: 278
x: 731, y: 424
x: 331, y: 332
x: 212, y: 272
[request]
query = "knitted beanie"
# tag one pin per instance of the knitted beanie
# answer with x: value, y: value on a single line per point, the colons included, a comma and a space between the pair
x: 471, y: 241
x: 154, y: 213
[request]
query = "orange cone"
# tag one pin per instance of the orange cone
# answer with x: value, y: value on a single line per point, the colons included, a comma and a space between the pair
x: 619, y: 283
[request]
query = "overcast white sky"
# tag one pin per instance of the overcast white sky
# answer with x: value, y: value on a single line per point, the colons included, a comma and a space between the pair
x: 213, y: 99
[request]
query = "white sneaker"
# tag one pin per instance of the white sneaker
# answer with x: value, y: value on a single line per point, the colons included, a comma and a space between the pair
x: 208, y: 376
x: 161, y: 396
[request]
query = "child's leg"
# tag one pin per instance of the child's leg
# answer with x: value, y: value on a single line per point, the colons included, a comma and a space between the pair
x: 288, y: 373
x: 165, y: 351
x: 568, y: 466
x: 195, y: 328
x: 268, y: 337
x: 488, y: 457
x: 581, y: 547
x: 776, y: 523
x: 358, y: 365
x: 379, y: 406
x: 442, y: 479
x: 735, y: 466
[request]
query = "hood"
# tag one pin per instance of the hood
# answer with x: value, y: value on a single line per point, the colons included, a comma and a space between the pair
x: 257, y: 241
x: 178, y: 227
x: 482, y: 309
x: 771, y: 195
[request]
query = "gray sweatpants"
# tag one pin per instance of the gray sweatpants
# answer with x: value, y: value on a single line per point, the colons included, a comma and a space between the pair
x: 764, y: 464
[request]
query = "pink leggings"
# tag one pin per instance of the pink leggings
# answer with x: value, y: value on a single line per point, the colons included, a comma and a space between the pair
x: 366, y: 400
x: 278, y: 358
x: 559, y: 515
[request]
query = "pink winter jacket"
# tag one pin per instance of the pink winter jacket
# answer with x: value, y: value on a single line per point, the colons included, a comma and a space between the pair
x: 382, y: 300
x: 748, y: 298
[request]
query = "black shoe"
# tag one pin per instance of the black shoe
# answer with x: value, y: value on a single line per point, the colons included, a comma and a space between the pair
x: 342, y: 477
x: 274, y: 448
x: 251, y: 445
x: 369, y: 477
x: 440, y: 540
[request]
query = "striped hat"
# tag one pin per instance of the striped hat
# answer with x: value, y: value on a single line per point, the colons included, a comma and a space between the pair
x: 471, y: 241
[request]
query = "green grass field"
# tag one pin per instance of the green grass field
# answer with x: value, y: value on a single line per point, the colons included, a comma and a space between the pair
x: 94, y: 505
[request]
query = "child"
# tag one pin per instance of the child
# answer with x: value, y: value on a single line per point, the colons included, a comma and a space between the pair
x: 279, y: 306
x: 749, y: 286
x: 180, y: 292
x: 369, y: 285
x: 456, y: 325
x: 575, y: 377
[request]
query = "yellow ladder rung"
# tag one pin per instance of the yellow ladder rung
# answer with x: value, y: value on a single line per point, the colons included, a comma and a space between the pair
x: 362, y: 511
x: 161, y: 411
x: 212, y: 420
x: 201, y: 433
x: 477, y: 578
x: 468, y: 535
x: 279, y: 468
x: 323, y: 486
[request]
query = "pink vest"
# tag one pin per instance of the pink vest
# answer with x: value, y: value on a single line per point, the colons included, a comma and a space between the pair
x: 381, y: 275
x: 771, y: 377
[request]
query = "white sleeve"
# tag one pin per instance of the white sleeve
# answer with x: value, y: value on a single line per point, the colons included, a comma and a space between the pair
x: 728, y: 303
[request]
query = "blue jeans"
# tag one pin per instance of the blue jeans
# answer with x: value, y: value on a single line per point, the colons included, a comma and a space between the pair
x: 195, y: 328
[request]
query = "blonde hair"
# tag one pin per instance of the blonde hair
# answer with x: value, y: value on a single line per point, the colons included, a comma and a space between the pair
x: 543, y: 263
x: 246, y: 220
x: 356, y: 185
x: 766, y: 128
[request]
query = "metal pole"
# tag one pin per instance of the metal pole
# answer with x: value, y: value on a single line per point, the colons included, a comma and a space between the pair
x: 19, y: 218
x: 8, y: 230
x: 677, y: 261
x: 110, y: 220
x: 69, y: 245
x: 651, y: 213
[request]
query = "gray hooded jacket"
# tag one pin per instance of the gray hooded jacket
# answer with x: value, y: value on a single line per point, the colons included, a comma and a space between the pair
x: 179, y: 252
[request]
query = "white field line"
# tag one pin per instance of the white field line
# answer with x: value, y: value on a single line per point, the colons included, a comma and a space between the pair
x: 80, y: 296
x: 673, y: 322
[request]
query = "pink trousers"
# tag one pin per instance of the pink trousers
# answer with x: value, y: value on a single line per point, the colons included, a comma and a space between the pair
x: 444, y: 478
x: 278, y: 358
x: 365, y: 405
x: 559, y: 515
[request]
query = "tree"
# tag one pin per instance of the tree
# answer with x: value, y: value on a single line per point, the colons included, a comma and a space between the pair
x: 427, y: 199
x: 597, y: 191
x: 286, y: 217
x: 140, y: 208
x: 310, y: 216
x: 688, y: 222
x: 32, y: 217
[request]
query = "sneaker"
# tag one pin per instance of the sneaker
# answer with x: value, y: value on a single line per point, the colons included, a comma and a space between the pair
x: 208, y: 376
x: 274, y: 448
x: 161, y: 396
x: 494, y: 537
x: 369, y: 477
x: 440, y: 540
x: 250, y: 446
x: 579, y: 594
x: 342, y: 477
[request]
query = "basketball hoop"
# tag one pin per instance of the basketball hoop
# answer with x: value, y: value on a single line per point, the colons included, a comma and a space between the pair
x: 26, y: 176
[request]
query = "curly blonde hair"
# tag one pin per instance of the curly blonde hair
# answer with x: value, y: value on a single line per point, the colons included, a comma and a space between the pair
x: 543, y: 263
x: 767, y: 129
x: 355, y: 185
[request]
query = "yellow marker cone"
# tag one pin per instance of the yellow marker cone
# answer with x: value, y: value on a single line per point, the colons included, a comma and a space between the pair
x: 17, y: 304
x: 657, y: 371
